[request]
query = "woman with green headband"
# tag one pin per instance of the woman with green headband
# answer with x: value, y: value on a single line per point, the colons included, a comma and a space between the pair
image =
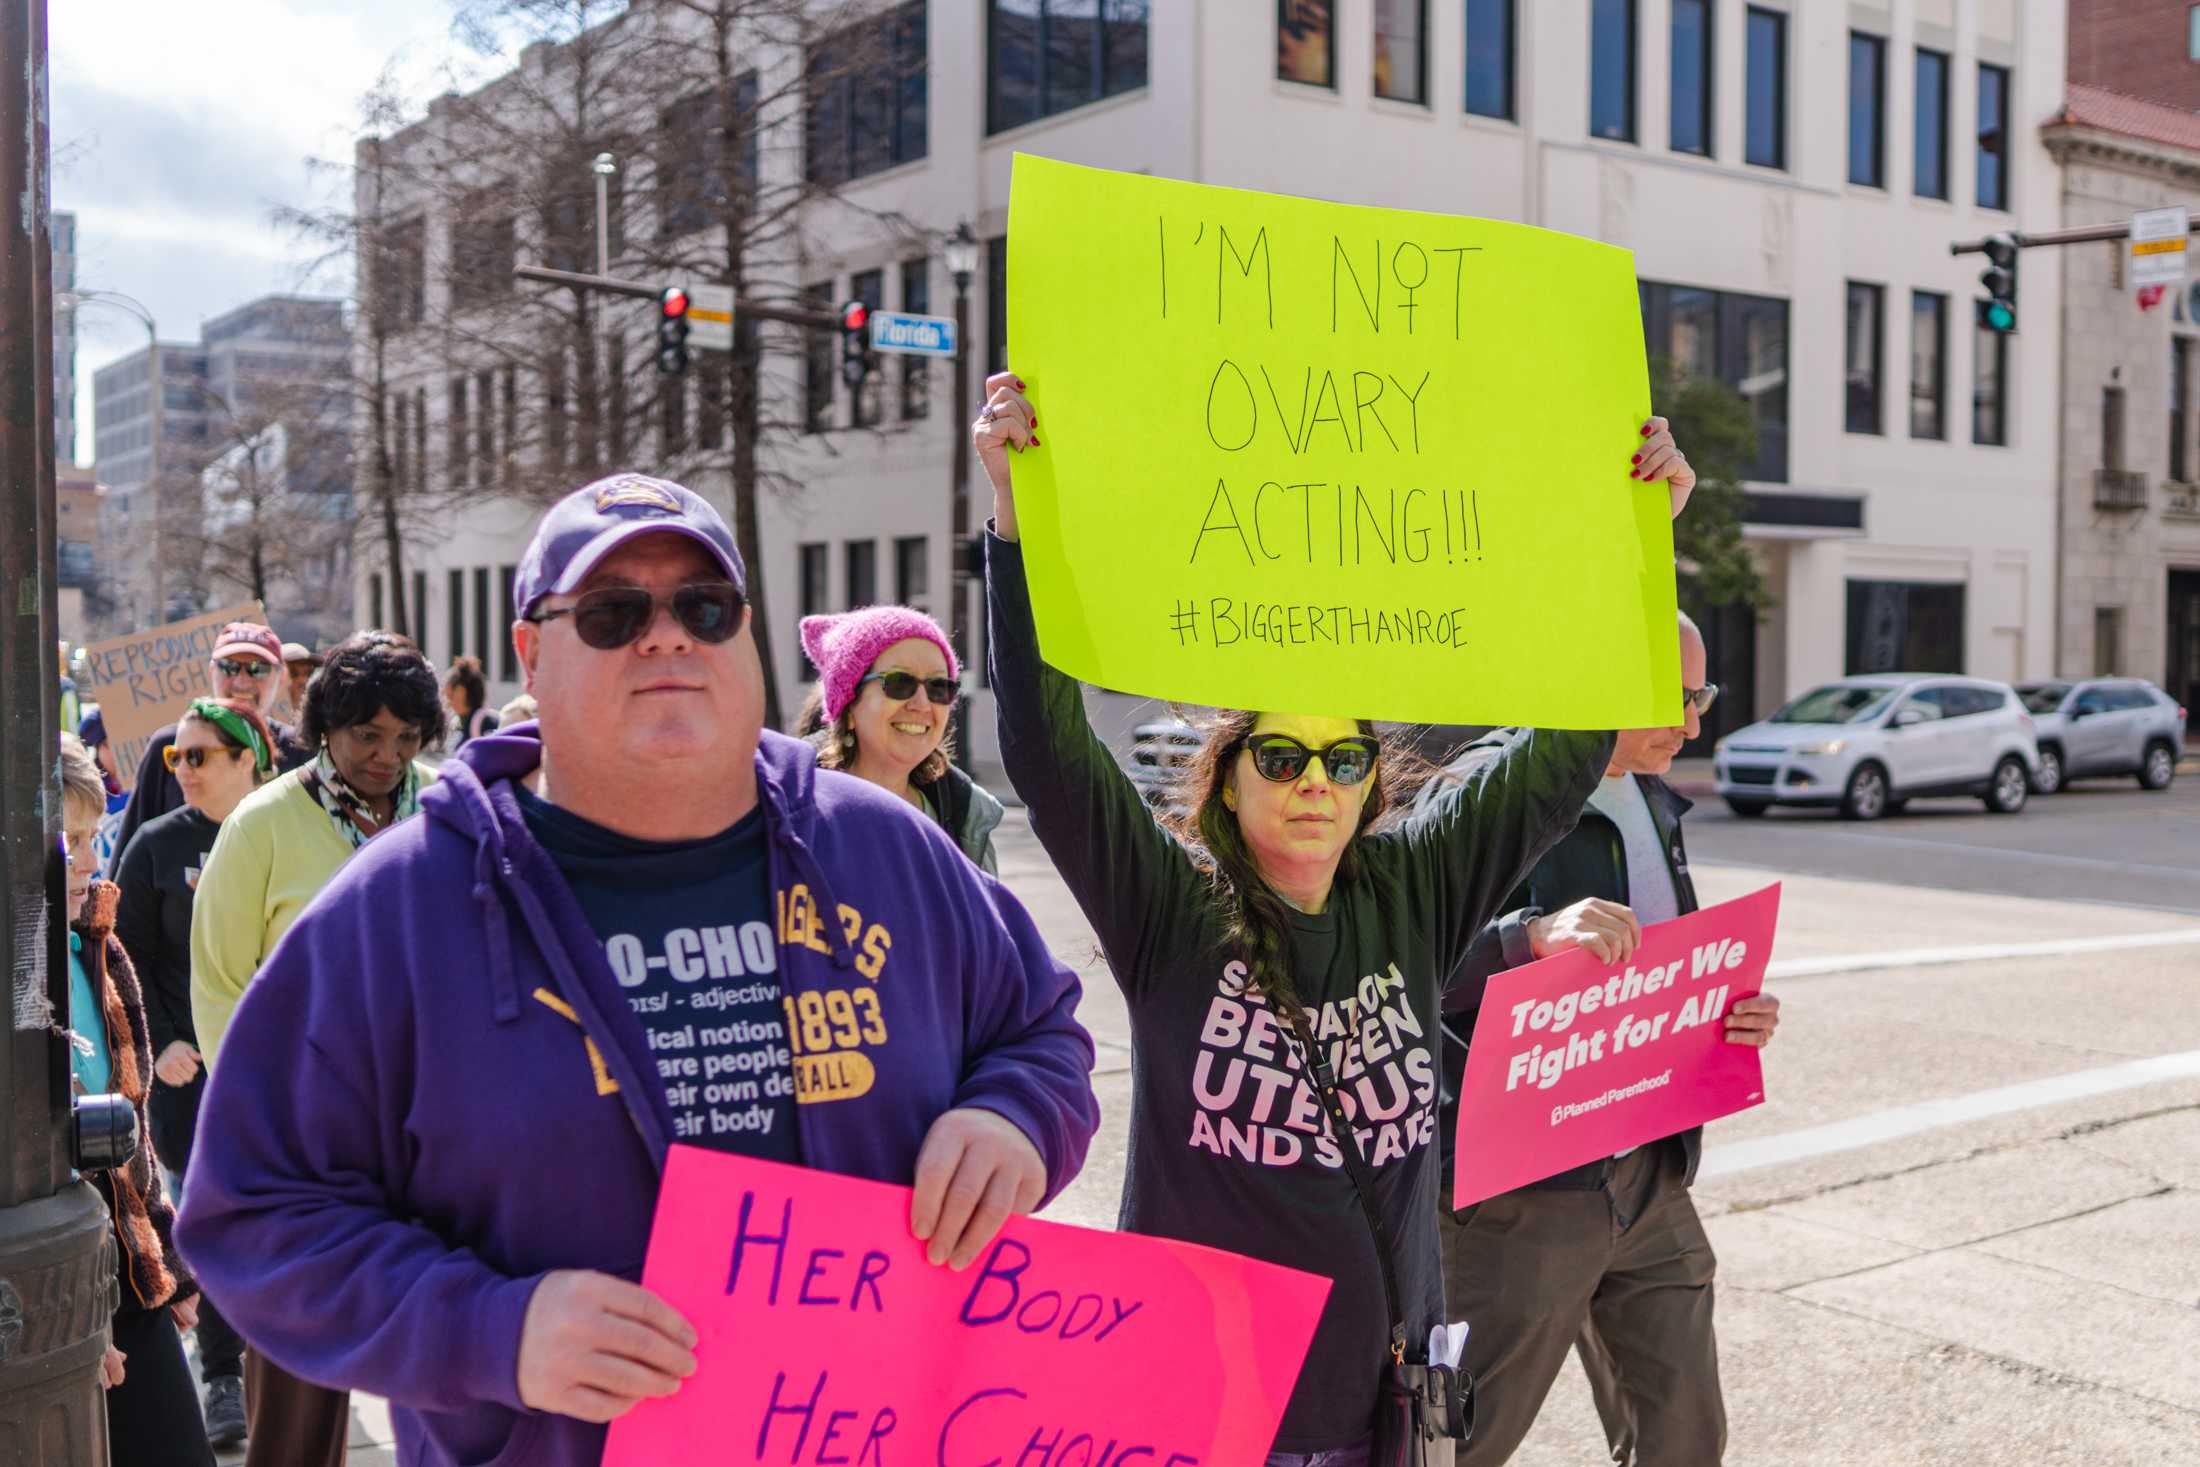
x: 221, y: 754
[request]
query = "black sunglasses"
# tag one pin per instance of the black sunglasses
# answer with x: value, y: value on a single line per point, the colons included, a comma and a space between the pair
x: 1701, y: 698
x: 610, y: 618
x: 250, y: 667
x: 1281, y: 758
x: 900, y: 687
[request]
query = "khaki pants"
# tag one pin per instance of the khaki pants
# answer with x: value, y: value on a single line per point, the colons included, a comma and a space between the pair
x: 293, y: 1422
x: 1624, y: 1273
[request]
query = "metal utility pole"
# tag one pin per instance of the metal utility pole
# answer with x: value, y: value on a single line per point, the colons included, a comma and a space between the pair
x: 57, y: 1279
x: 962, y: 263
x: 69, y: 301
x: 603, y: 167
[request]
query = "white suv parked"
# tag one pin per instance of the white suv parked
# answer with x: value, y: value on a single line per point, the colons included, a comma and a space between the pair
x: 1869, y: 744
x: 2104, y: 725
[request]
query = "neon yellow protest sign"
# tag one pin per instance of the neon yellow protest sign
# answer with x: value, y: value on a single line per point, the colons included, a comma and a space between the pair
x: 1317, y: 458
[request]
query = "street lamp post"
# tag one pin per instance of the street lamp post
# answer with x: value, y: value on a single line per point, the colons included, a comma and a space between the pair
x: 69, y: 300
x: 603, y: 167
x: 962, y: 263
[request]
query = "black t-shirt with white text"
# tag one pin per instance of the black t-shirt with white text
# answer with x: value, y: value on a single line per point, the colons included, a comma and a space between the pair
x: 686, y: 926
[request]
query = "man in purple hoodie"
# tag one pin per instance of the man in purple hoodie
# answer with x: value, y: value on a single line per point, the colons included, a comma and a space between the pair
x: 430, y: 1156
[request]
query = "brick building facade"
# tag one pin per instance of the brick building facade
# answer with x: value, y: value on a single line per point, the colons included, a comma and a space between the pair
x: 2141, y: 48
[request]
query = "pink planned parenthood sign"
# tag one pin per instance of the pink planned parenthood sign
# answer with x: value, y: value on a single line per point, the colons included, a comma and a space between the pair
x: 827, y: 1340
x: 1572, y: 1060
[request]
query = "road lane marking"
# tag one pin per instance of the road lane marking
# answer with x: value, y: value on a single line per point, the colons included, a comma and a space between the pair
x: 2039, y: 858
x: 1954, y: 1110
x: 1926, y: 957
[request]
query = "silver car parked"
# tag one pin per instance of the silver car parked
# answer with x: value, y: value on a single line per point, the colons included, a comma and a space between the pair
x: 2104, y: 725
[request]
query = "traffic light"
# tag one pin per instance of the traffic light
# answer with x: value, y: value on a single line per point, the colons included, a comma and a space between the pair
x: 1998, y: 312
x: 672, y: 331
x: 855, y: 343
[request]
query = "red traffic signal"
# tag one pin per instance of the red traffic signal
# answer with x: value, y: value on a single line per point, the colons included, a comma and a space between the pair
x: 672, y: 303
x: 854, y: 316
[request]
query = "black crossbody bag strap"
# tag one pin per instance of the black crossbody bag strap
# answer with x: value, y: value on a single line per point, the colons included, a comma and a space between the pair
x: 1355, y: 1167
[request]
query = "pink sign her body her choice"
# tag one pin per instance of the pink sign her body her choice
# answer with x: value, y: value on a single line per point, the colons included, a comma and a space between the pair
x: 1572, y: 1060
x: 827, y: 1340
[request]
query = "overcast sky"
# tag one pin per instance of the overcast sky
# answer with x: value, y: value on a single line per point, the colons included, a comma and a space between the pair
x: 178, y: 128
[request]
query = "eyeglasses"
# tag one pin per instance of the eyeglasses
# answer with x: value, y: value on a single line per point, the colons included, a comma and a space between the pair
x: 176, y: 758
x: 250, y: 667
x: 902, y: 686
x: 1701, y: 698
x: 1281, y: 758
x: 709, y: 611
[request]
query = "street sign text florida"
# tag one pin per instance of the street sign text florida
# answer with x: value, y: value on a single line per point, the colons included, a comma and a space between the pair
x: 1334, y: 459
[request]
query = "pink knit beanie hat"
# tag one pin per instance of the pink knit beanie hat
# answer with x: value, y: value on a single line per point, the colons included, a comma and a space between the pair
x: 845, y: 646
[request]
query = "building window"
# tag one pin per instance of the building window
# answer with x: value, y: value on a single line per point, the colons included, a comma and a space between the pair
x: 456, y: 434
x: 690, y: 163
x: 1048, y: 56
x: 1993, y: 136
x: 1929, y: 169
x: 569, y: 219
x: 1990, y: 389
x: 401, y: 293
x: 1693, y: 78
x: 511, y: 419
x: 817, y: 364
x: 868, y: 408
x: 912, y: 570
x: 1306, y: 42
x: 2192, y: 33
x: 916, y: 370
x: 1867, y: 304
x: 860, y: 561
x: 1490, y: 58
x: 400, y: 448
x: 1867, y: 110
x: 996, y: 304
x: 1401, y: 50
x: 484, y: 248
x: 1740, y: 340
x: 2108, y: 641
x: 816, y: 572
x: 485, y: 428
x: 1612, y: 70
x: 374, y: 601
x: 1928, y: 364
x: 1764, y: 132
x: 2180, y: 409
x: 481, y: 616
x: 1904, y: 626
x: 614, y: 369
x: 2112, y: 430
x: 711, y: 376
x: 417, y: 628
x: 553, y: 411
x: 454, y: 613
x: 864, y: 98
x: 507, y: 654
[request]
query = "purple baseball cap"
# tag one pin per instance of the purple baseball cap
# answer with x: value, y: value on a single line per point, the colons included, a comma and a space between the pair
x: 596, y: 519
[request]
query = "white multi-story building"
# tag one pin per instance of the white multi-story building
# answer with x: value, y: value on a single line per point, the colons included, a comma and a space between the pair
x: 1790, y: 177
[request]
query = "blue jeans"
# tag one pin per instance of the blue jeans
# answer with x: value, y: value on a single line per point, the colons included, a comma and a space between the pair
x: 1353, y: 1456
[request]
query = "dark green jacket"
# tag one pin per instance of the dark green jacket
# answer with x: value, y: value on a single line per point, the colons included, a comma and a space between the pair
x: 1590, y: 862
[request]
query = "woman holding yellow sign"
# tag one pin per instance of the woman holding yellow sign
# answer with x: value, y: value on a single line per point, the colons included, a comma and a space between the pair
x: 1271, y: 937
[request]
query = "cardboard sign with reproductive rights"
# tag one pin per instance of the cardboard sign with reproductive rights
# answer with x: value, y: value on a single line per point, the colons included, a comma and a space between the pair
x: 827, y: 1340
x: 1572, y: 1060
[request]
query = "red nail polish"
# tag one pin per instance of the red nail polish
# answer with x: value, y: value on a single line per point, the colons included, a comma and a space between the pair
x: 1645, y: 430
x: 1636, y: 459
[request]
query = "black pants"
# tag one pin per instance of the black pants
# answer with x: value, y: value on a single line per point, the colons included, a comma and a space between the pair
x: 153, y: 1417
x: 294, y: 1423
x: 1623, y: 1277
x: 175, y: 1117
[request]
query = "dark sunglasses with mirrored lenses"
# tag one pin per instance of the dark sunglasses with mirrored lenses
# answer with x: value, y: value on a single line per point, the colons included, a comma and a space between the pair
x: 176, y: 758
x: 1701, y: 698
x: 613, y: 617
x: 1281, y: 758
x: 900, y: 687
x: 250, y: 667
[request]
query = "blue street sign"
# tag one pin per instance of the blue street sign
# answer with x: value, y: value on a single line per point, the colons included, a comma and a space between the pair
x: 924, y: 336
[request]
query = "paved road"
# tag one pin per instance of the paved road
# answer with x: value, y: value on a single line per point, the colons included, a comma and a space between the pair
x: 2100, y: 841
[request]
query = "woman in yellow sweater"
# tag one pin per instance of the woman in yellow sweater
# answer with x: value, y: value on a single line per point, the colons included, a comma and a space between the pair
x: 370, y: 710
